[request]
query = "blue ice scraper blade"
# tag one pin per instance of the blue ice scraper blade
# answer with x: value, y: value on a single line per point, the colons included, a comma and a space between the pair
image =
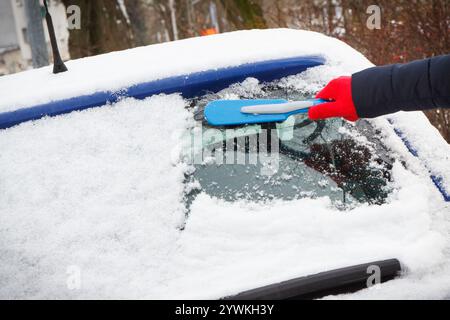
x: 229, y: 112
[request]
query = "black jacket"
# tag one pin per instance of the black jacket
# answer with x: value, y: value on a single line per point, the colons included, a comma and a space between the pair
x: 418, y: 85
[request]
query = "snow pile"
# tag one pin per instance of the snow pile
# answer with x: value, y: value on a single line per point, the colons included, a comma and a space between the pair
x: 436, y: 155
x: 94, y: 191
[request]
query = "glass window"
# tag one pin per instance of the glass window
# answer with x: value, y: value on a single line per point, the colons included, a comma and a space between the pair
x: 290, y: 160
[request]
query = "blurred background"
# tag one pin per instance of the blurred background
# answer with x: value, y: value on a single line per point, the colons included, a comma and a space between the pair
x: 409, y: 29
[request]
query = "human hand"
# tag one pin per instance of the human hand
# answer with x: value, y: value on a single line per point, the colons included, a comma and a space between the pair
x: 339, y: 91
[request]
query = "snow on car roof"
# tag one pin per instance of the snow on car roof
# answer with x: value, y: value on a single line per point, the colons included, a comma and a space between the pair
x: 99, y: 194
x: 116, y: 70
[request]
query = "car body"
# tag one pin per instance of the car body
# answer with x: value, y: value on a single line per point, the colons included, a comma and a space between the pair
x: 128, y: 200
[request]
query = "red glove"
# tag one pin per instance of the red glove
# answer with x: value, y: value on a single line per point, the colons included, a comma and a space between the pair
x: 340, y: 91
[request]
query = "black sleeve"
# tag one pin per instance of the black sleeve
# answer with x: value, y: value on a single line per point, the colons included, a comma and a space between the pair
x: 418, y: 85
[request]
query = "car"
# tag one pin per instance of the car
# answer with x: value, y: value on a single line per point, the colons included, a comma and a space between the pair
x: 140, y: 198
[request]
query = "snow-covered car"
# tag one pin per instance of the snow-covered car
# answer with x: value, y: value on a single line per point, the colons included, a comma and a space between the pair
x: 140, y: 198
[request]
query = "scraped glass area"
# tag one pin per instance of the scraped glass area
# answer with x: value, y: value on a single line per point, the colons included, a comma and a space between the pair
x: 290, y: 160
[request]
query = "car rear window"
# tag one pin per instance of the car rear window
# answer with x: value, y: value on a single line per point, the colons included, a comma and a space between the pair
x: 295, y: 159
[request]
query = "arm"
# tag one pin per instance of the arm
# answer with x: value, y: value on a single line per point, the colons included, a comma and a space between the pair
x: 418, y: 85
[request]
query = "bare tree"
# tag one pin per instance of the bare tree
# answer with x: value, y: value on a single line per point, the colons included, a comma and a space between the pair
x: 244, y: 14
x: 104, y: 28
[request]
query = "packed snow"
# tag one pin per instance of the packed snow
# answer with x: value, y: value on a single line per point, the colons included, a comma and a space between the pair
x: 436, y: 155
x: 92, y: 203
x: 94, y: 190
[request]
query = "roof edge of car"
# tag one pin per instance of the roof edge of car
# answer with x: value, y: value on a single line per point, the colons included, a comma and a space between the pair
x: 188, y: 85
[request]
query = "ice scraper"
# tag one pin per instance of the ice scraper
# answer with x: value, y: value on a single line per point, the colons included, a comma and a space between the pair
x: 241, y: 112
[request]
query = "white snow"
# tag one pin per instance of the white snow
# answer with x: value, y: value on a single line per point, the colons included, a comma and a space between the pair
x: 436, y: 154
x: 94, y: 190
x: 100, y: 192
